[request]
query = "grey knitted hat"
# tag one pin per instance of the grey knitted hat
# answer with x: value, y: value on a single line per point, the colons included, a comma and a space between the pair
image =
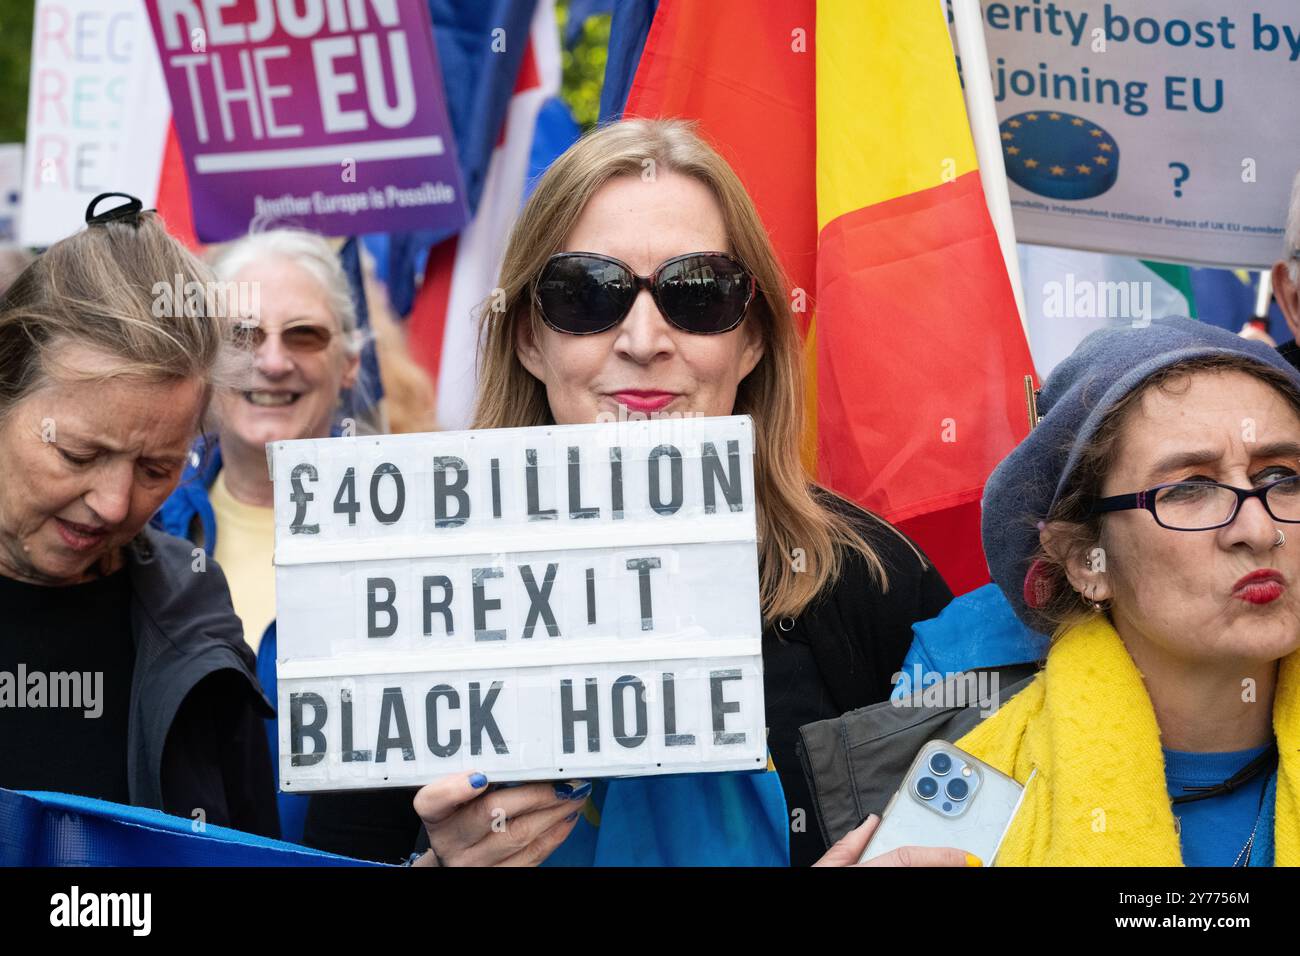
x: 1074, y: 401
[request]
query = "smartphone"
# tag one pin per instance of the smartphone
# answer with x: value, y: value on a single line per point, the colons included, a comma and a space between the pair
x: 948, y: 798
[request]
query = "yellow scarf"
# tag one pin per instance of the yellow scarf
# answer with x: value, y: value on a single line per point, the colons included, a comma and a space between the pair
x: 1100, y: 799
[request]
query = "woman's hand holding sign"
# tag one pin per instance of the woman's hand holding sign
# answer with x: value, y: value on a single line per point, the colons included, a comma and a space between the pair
x: 470, y: 824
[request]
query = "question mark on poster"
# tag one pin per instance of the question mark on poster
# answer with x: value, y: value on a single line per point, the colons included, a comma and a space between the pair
x: 1180, y: 177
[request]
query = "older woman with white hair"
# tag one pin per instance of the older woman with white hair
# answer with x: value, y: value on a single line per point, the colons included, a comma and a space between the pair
x: 296, y: 312
x: 301, y: 323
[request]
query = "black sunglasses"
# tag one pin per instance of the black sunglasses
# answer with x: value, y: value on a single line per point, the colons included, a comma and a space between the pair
x: 583, y: 293
x: 1206, y: 505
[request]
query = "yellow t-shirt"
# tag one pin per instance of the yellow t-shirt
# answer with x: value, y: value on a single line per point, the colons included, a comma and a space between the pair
x: 245, y: 546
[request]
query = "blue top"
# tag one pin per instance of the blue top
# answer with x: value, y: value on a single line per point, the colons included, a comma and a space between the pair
x: 1214, y: 830
x: 977, y: 629
x: 690, y: 819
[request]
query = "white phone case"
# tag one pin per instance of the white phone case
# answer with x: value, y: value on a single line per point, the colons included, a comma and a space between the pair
x: 975, y: 824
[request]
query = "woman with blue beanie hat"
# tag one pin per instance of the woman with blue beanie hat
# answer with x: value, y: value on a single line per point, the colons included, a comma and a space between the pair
x: 1143, y: 524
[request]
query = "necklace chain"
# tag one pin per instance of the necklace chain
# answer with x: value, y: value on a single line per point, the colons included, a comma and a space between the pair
x: 1245, y: 850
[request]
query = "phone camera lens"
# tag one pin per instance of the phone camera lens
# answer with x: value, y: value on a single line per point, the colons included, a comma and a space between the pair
x: 940, y: 764
x: 927, y: 787
x: 957, y: 789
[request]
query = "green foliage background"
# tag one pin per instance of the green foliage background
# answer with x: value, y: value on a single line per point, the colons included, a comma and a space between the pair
x: 584, y: 66
x: 15, y: 63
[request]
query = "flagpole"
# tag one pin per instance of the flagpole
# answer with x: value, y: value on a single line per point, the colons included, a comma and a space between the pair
x: 1264, y: 295
x: 981, y: 111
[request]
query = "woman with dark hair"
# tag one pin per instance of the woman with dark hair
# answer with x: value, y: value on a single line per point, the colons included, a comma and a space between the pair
x: 1149, y: 524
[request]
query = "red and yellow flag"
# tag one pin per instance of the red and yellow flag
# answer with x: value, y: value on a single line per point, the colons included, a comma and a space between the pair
x: 857, y: 152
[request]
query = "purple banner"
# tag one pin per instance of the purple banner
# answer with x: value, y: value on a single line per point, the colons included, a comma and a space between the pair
x: 323, y: 114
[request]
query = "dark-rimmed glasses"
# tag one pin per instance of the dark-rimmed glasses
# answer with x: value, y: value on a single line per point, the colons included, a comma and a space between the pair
x: 1205, y: 505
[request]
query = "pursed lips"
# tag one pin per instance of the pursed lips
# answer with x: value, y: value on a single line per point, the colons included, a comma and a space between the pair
x: 1261, y: 586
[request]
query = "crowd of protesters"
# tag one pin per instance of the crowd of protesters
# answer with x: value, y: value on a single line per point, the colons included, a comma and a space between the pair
x: 1137, y: 539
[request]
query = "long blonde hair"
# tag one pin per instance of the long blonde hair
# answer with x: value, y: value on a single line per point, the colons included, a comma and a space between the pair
x: 792, y: 522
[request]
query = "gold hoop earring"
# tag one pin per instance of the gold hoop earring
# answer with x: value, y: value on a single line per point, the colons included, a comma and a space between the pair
x: 1097, y: 606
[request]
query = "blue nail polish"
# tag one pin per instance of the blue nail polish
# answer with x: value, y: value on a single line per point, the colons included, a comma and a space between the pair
x: 477, y: 780
x: 567, y: 791
x: 571, y: 817
x: 581, y: 793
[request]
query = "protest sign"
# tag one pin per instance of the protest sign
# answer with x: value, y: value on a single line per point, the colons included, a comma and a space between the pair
x: 324, y: 115
x: 534, y: 603
x: 1149, y: 129
x: 96, y: 113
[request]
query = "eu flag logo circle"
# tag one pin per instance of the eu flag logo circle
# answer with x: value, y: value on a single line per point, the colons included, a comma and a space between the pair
x: 1059, y: 155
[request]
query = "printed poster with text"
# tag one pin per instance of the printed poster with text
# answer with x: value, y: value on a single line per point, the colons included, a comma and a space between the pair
x: 1154, y: 129
x: 96, y: 114
x: 328, y: 116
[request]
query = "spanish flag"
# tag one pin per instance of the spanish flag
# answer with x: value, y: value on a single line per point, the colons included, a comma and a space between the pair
x: 846, y: 122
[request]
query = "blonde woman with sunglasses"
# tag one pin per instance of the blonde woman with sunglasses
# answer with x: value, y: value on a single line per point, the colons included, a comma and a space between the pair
x: 639, y: 280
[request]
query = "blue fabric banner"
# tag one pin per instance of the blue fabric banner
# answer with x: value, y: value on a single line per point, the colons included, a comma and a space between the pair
x: 61, y: 829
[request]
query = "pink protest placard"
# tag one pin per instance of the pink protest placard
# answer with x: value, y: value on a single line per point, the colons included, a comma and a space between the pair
x: 323, y: 114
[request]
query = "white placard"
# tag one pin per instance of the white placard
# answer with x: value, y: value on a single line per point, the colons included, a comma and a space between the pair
x: 534, y: 603
x: 1149, y: 128
x: 97, y: 113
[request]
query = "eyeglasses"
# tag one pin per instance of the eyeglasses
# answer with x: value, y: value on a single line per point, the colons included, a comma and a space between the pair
x: 1205, y: 505
x: 583, y: 293
x: 295, y: 338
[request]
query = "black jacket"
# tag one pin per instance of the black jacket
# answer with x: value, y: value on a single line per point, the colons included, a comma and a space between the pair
x: 860, y: 634
x: 195, y: 736
x: 855, y: 636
